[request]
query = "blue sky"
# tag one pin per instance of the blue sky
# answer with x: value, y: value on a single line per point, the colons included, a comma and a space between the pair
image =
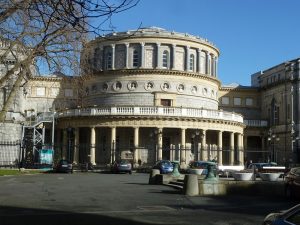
x: 252, y: 35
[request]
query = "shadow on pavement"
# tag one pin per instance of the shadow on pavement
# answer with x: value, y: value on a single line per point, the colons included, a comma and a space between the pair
x: 30, y: 216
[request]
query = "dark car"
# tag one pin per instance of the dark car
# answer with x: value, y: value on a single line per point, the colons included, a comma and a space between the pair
x: 122, y: 166
x: 164, y: 166
x: 286, y: 217
x: 202, y: 165
x: 292, y: 183
x: 64, y: 166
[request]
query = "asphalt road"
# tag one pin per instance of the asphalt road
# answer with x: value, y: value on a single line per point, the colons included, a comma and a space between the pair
x: 95, y: 198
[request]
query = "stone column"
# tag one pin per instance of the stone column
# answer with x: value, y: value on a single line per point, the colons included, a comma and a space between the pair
x: 204, y: 147
x: 207, y: 63
x: 220, y: 147
x: 212, y: 65
x: 182, y: 147
x: 158, y: 56
x: 127, y: 55
x: 173, y: 57
x: 136, y: 145
x: 142, y: 54
x: 113, y: 145
x: 76, y: 146
x: 93, y: 146
x: 65, y: 144
x: 198, y: 60
x: 242, y: 149
x: 113, y: 53
x: 231, y: 149
x: 160, y: 142
x: 216, y: 66
x: 239, y: 148
x: 187, y: 58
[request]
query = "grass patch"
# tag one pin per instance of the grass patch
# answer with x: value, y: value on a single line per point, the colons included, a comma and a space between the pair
x: 15, y: 172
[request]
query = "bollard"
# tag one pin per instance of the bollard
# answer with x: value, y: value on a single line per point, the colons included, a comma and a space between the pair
x: 152, y: 177
x: 191, y: 185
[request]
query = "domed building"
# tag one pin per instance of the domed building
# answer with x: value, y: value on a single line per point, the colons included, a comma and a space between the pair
x: 147, y: 95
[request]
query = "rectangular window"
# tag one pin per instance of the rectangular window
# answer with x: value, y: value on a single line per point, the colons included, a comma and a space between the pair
x: 225, y: 100
x: 68, y: 92
x: 165, y: 102
x: 40, y: 91
x: 249, y: 101
x: 237, y: 101
x: 288, y: 111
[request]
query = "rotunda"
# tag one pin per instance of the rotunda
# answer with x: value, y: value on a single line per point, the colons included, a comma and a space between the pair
x: 151, y: 94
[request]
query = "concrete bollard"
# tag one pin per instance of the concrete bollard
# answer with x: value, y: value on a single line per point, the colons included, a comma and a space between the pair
x: 152, y: 177
x: 191, y: 185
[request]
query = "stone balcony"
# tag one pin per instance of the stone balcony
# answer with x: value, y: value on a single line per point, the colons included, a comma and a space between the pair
x: 152, y: 111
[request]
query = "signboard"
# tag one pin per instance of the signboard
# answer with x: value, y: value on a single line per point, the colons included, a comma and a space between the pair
x: 46, y: 156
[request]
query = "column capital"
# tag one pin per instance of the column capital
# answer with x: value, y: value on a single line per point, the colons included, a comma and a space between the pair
x: 142, y: 44
x: 112, y: 45
x: 126, y: 44
x: 158, y: 44
x: 174, y: 45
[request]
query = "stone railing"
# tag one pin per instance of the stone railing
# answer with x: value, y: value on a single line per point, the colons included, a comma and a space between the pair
x: 256, y: 123
x: 153, y: 111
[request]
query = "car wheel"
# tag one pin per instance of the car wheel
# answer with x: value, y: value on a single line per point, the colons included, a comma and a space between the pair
x: 267, y: 223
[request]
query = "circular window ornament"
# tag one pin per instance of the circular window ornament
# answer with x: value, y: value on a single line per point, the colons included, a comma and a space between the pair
x: 104, y: 87
x: 180, y: 88
x: 117, y: 86
x: 132, y: 85
x: 149, y: 86
x: 165, y: 86
x: 194, y: 89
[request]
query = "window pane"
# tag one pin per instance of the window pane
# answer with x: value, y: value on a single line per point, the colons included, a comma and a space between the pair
x: 165, y: 59
x: 249, y: 101
x: 135, y: 60
x: 225, y: 100
x: 192, y: 60
x: 237, y: 101
x: 40, y: 91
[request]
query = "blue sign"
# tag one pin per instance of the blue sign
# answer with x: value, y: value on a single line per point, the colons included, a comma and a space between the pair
x: 46, y: 156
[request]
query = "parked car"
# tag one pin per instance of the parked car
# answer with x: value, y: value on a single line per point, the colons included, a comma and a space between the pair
x: 202, y: 165
x: 286, y: 217
x: 267, y: 168
x: 292, y: 183
x: 122, y: 166
x: 64, y: 166
x: 164, y: 166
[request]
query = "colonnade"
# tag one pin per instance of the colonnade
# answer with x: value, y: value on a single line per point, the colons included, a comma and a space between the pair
x: 235, y: 150
x: 210, y: 66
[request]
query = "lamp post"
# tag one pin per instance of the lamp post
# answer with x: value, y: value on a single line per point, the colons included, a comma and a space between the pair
x: 196, y: 137
x: 272, y: 137
x: 69, y: 142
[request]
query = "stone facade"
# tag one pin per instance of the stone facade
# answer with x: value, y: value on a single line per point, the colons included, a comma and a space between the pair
x: 154, y: 94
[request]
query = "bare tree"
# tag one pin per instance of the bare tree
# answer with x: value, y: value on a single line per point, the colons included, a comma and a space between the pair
x: 50, y: 33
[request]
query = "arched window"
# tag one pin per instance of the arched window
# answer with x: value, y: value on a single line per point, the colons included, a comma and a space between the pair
x: 108, y: 60
x: 135, y: 58
x: 192, y: 62
x: 165, y: 59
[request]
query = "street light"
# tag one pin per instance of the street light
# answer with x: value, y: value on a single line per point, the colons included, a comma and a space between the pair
x: 196, y: 137
x: 272, y: 137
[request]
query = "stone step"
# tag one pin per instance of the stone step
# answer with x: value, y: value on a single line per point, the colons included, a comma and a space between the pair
x: 176, y: 186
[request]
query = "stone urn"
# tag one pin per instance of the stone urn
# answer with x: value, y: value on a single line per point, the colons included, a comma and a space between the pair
x: 196, y: 171
x: 269, y: 176
x: 242, y: 176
